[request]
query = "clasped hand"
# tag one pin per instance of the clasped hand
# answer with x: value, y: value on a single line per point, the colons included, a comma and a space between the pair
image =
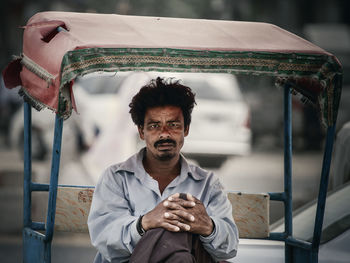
x: 177, y: 214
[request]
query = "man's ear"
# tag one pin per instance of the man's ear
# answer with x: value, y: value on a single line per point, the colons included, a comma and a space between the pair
x: 141, y: 134
x: 187, y: 130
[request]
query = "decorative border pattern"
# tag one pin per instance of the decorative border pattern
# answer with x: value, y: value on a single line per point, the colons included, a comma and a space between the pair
x: 86, y: 60
x: 301, y: 71
x: 323, y: 68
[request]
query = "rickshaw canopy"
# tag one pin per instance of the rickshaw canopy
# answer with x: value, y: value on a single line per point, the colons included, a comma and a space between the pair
x: 52, y: 58
x: 60, y: 46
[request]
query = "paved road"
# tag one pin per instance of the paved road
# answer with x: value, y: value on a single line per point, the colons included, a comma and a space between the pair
x: 259, y: 172
x: 68, y: 248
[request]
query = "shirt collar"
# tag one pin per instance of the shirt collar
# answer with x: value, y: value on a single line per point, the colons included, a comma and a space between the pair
x: 134, y: 165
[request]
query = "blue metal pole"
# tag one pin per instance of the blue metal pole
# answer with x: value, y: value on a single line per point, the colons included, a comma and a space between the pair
x: 27, y: 196
x: 299, y: 243
x: 55, y: 164
x: 322, y: 194
x: 275, y: 196
x: 40, y: 187
x: 288, y: 209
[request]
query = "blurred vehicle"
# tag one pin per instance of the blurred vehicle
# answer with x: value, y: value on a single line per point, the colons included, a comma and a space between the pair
x: 340, y: 168
x: 101, y: 97
x: 267, y: 118
x: 96, y: 99
x: 209, y: 143
x: 334, y: 246
x: 10, y: 101
x: 42, y: 133
x: 220, y: 124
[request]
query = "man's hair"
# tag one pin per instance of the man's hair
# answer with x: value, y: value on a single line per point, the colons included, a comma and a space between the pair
x: 160, y: 92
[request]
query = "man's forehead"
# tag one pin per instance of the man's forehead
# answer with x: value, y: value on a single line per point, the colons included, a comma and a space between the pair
x: 161, y: 112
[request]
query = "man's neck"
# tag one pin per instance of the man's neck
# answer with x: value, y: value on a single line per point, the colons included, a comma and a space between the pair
x: 164, y: 172
x: 162, y: 168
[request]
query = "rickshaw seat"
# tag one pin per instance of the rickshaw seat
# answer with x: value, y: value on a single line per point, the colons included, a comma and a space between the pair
x: 250, y: 211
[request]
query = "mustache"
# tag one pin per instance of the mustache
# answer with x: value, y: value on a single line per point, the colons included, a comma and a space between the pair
x: 164, y: 141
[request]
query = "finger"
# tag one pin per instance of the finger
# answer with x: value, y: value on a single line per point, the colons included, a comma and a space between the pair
x: 185, y: 204
x: 190, y: 197
x: 193, y: 198
x: 188, y: 204
x: 183, y: 226
x: 172, y: 197
x: 171, y: 216
x: 175, y: 205
x: 170, y: 227
x: 181, y: 215
x: 178, y: 201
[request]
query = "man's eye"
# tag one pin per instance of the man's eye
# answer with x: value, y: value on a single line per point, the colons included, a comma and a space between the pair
x: 153, y: 126
x: 174, y: 124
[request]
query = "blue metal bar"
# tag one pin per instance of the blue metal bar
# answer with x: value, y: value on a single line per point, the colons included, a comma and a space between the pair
x: 55, y: 164
x: 277, y: 196
x: 289, y: 240
x: 322, y: 194
x: 40, y: 187
x: 27, y: 196
x: 288, y: 209
x: 76, y: 186
x: 299, y: 243
x: 278, y: 236
x: 38, y: 226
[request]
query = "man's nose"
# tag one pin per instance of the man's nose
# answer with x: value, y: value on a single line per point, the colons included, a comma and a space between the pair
x: 164, y: 132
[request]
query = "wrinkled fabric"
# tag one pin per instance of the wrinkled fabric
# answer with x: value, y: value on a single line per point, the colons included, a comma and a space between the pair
x: 160, y: 245
x: 86, y: 43
x: 125, y: 191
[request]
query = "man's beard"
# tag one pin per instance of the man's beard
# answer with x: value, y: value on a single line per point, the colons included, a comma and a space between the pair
x: 165, y: 155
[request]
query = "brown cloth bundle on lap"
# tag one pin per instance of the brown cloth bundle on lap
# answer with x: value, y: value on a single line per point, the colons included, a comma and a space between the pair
x: 160, y: 245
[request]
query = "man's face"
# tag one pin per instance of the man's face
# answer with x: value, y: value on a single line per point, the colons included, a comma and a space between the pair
x: 163, y: 132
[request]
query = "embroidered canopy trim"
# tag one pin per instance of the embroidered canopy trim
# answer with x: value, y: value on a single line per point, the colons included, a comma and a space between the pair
x: 315, y: 76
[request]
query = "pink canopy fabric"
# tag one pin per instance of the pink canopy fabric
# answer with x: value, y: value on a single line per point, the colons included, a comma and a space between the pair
x: 52, y: 58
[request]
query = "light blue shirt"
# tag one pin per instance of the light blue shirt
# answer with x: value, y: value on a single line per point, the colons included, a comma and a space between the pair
x: 125, y: 191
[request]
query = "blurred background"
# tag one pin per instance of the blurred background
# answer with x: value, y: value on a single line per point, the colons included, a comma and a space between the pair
x: 254, y: 154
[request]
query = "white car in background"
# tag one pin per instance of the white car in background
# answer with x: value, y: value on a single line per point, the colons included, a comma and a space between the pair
x: 335, y: 239
x: 96, y: 97
x: 219, y: 128
x: 220, y: 125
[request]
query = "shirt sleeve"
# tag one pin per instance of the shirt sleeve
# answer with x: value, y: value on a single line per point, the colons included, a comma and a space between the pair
x: 112, y: 226
x: 222, y: 243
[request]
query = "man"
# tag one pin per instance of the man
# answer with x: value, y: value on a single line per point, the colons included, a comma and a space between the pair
x: 155, y: 207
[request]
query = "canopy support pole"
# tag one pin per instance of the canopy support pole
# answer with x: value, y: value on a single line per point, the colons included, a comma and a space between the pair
x: 288, y: 208
x: 55, y: 164
x: 27, y: 196
x: 37, y: 246
x: 322, y: 193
